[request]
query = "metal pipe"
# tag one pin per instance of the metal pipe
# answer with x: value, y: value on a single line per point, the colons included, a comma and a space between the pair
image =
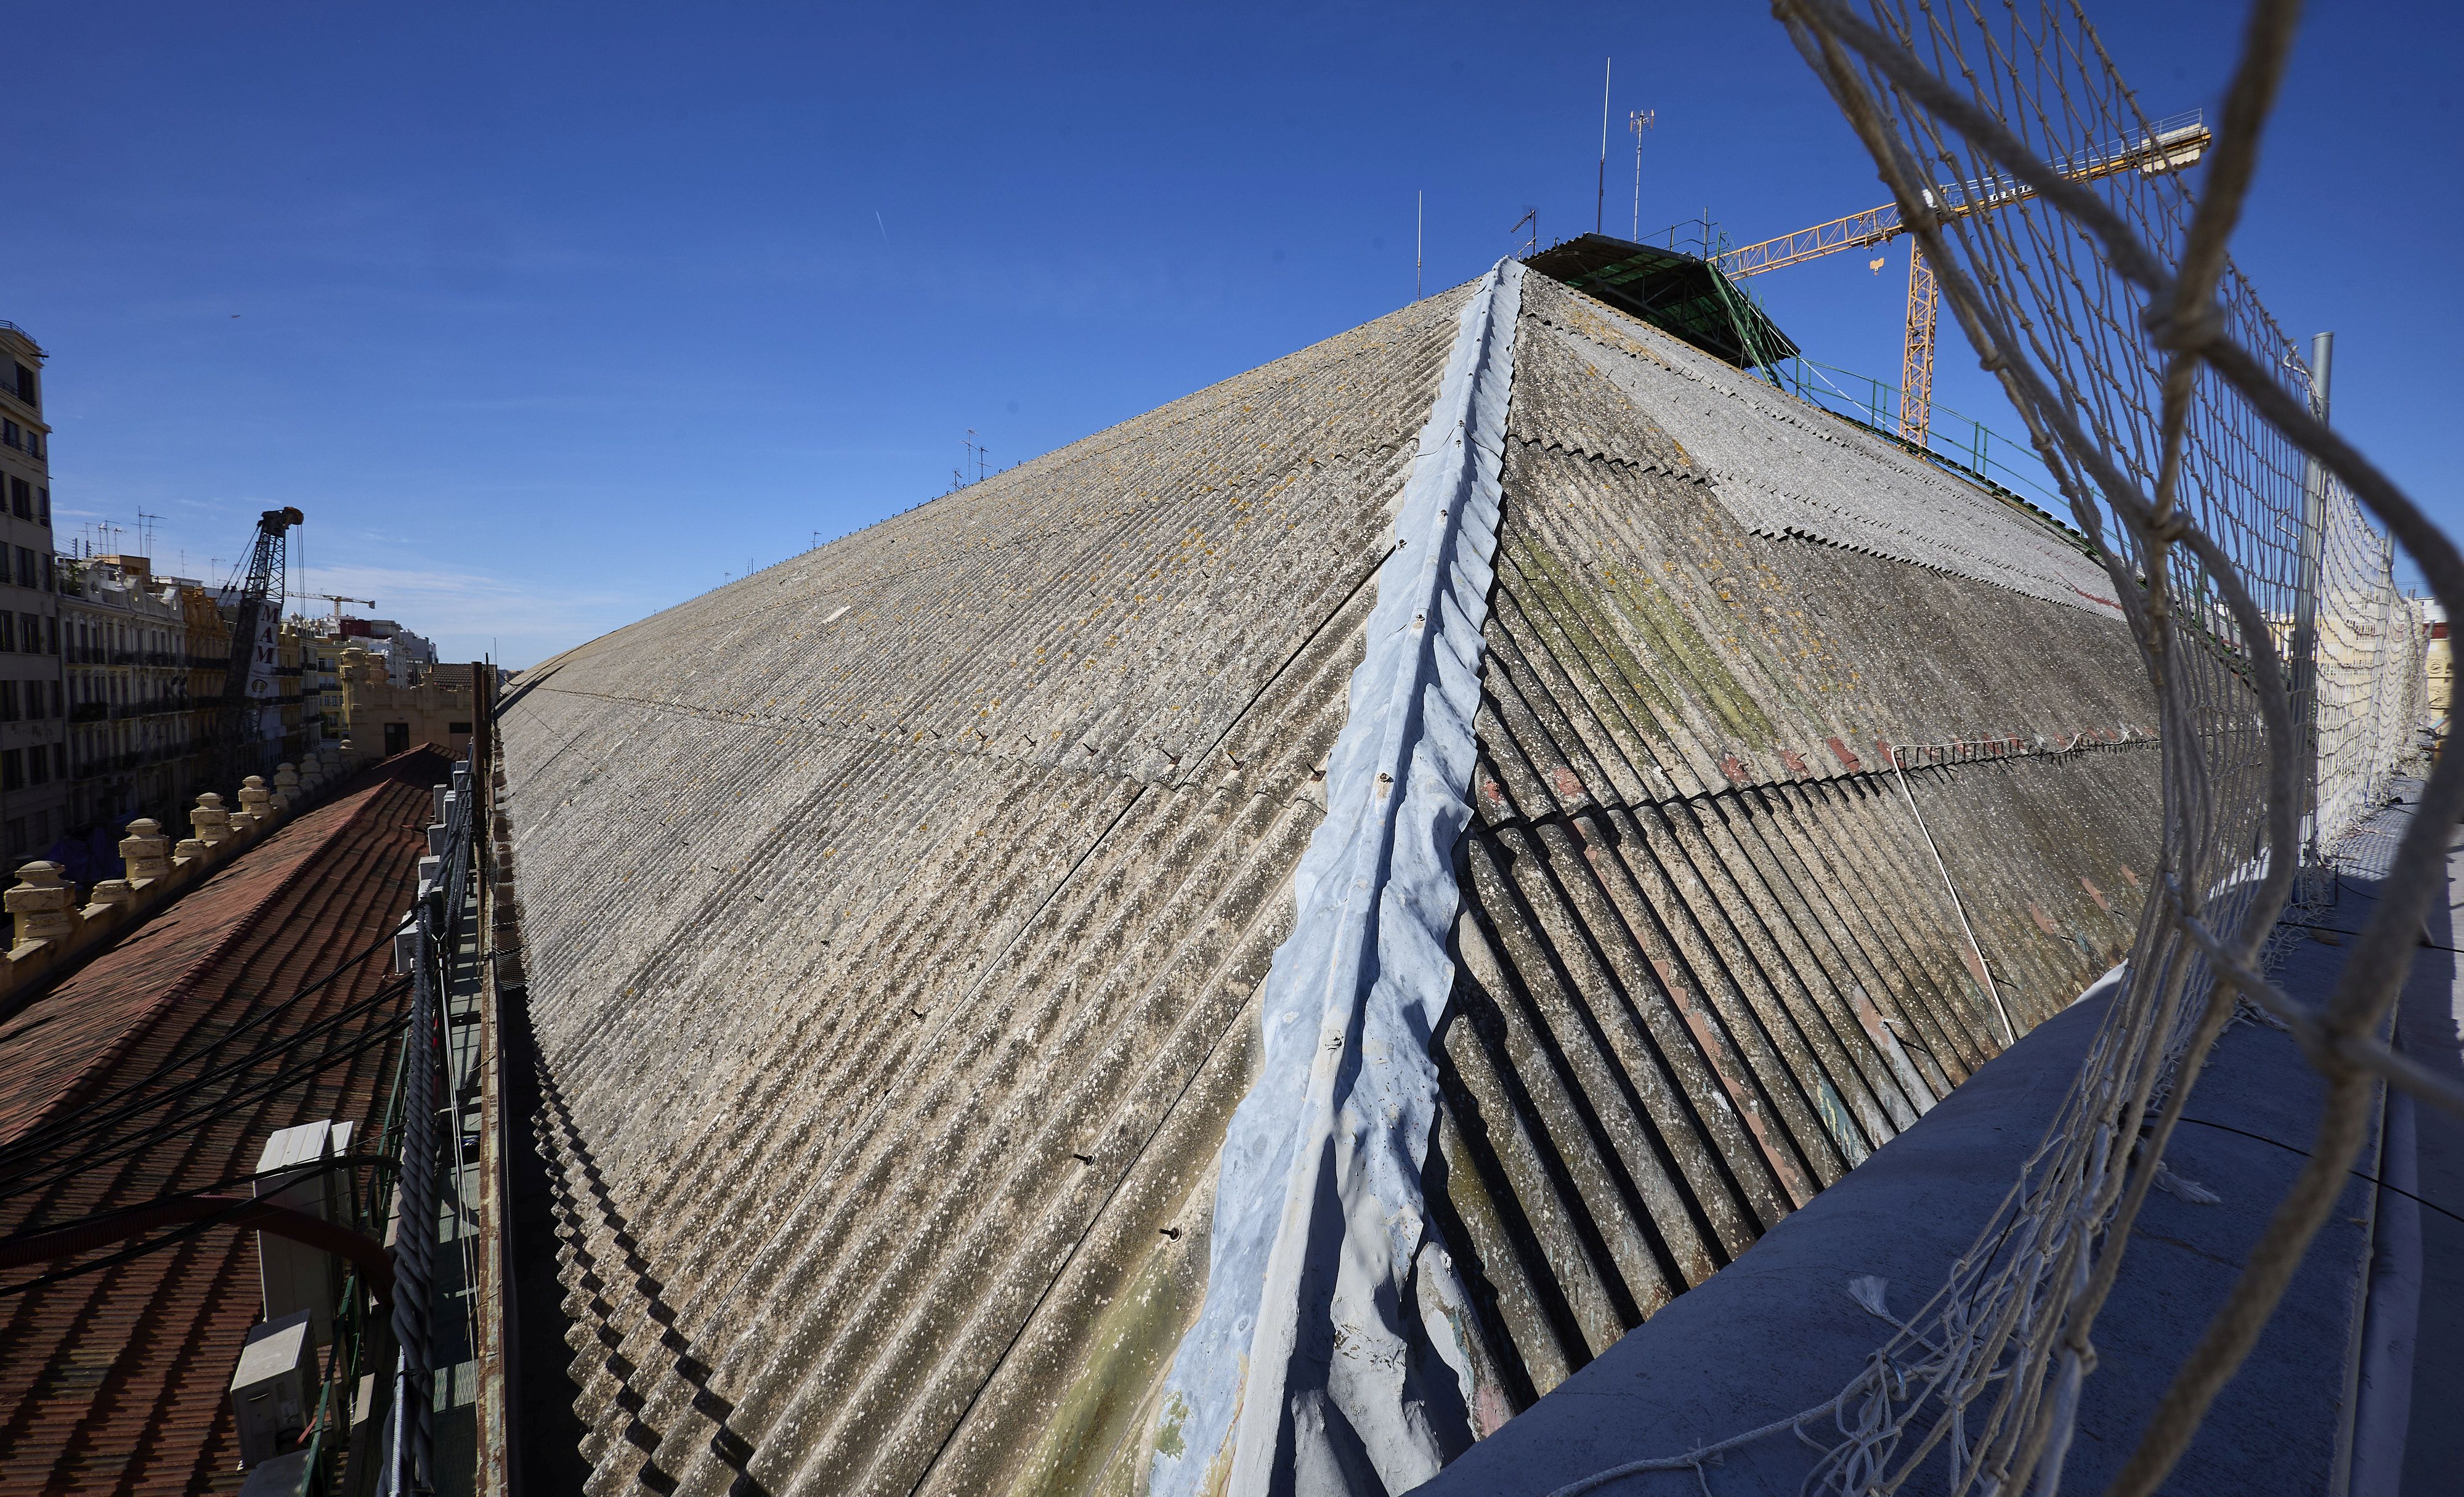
x: 1600, y: 205
x: 415, y: 1225
x: 2305, y: 603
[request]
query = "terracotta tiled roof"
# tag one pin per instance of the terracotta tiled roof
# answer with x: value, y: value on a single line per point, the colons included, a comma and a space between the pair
x: 115, y: 1382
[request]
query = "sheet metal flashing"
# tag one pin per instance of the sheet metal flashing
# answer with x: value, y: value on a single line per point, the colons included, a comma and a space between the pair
x: 1326, y: 1357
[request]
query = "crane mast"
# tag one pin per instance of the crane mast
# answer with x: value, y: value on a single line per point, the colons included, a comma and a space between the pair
x: 2170, y: 144
x: 248, y: 684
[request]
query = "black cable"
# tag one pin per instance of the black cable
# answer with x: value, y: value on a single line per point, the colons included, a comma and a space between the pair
x: 2306, y: 1154
x: 24, y: 1156
x: 2337, y: 930
x: 177, y: 1234
x: 257, y: 1091
x: 89, y: 1122
x: 41, y: 1136
x: 102, y: 1154
x: 289, y: 1174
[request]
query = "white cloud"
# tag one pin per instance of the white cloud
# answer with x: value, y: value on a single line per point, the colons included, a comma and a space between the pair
x: 472, y: 614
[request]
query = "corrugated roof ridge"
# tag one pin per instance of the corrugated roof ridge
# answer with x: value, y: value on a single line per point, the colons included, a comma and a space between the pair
x: 357, y: 802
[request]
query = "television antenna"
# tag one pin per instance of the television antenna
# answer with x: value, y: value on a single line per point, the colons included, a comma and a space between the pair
x: 1531, y: 217
x: 1639, y: 120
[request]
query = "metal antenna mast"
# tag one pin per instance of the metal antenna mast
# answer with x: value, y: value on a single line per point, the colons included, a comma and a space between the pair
x: 1420, y: 220
x: 1639, y: 120
x: 1600, y: 204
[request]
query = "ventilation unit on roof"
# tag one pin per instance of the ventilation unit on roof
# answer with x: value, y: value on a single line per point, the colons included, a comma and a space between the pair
x: 295, y: 1277
x: 269, y: 1389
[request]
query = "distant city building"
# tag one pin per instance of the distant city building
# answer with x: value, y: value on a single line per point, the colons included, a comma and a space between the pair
x: 2440, y: 663
x: 321, y: 676
x: 33, y: 753
x: 209, y: 635
x: 133, y: 726
x: 381, y: 718
x: 408, y: 657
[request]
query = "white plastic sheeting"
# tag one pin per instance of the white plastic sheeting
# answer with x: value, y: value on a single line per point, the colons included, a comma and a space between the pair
x: 1325, y: 1358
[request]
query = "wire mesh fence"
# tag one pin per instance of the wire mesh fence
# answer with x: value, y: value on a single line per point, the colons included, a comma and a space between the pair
x: 2252, y: 549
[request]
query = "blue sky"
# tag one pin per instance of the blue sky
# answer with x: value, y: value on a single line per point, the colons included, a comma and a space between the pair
x: 549, y: 317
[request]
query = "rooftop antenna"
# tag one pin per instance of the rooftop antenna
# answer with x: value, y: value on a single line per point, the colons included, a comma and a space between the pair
x: 1600, y: 204
x: 1639, y: 120
x: 145, y: 532
x: 1420, y: 220
x: 1531, y: 217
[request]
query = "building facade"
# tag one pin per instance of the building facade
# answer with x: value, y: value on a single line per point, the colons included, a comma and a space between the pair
x: 33, y: 753
x: 208, y: 636
x: 132, y: 721
x: 321, y: 679
x: 382, y: 719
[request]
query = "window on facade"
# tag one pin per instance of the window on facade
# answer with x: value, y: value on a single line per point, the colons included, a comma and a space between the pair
x: 51, y: 636
x: 59, y: 761
x: 51, y: 583
x: 21, y: 498
x: 8, y: 712
x: 43, y: 505
x: 26, y: 387
x: 7, y: 632
x: 12, y: 777
x: 38, y: 769
x: 56, y: 700
x: 17, y: 832
x: 25, y: 568
x: 32, y: 633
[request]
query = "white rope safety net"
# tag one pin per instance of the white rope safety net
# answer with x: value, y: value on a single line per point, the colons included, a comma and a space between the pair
x: 2253, y: 550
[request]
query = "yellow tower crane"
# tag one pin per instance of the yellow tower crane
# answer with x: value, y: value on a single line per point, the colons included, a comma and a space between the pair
x: 2169, y: 146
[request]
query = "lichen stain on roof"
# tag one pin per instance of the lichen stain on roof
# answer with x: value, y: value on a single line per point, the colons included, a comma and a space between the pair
x: 896, y: 915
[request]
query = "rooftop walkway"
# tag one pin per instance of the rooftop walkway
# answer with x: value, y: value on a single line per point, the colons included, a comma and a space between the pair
x: 1777, y: 1332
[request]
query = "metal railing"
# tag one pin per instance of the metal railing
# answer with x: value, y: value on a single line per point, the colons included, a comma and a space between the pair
x: 407, y: 1183
x: 1953, y: 440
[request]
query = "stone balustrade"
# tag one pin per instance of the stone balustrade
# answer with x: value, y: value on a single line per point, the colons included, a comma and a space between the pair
x: 50, y: 929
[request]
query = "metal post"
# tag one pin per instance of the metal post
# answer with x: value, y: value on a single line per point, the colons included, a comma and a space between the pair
x: 2305, y: 607
x: 415, y: 1228
x: 1600, y: 204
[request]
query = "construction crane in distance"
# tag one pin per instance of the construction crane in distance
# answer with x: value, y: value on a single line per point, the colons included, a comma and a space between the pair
x: 249, y: 686
x: 337, y: 600
x: 2169, y: 145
